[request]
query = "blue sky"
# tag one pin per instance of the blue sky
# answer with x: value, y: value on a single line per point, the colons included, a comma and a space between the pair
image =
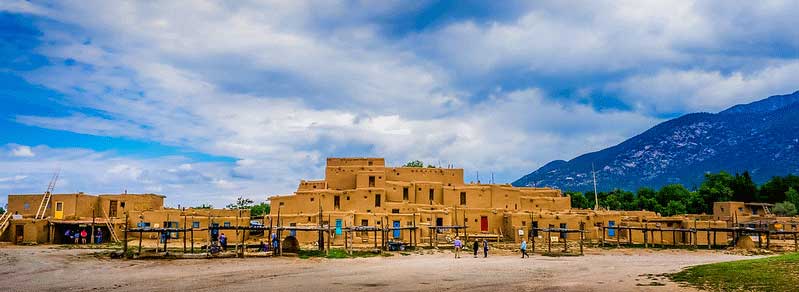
x: 204, y: 101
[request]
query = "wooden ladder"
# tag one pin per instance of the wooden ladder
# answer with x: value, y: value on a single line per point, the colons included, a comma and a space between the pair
x: 46, y: 197
x: 5, y: 221
x: 109, y: 225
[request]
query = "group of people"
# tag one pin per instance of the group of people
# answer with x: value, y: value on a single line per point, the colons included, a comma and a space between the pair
x: 476, y: 247
x: 81, y: 236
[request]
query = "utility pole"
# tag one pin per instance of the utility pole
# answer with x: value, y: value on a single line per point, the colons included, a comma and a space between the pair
x: 596, y: 197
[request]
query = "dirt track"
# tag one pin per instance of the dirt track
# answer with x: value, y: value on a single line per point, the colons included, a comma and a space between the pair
x: 53, y: 269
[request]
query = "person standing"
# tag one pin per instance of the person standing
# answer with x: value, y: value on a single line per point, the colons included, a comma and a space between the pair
x: 83, y: 235
x: 458, y: 245
x: 98, y: 236
x: 485, y: 248
x: 523, y: 248
x: 223, y: 241
x: 476, y: 247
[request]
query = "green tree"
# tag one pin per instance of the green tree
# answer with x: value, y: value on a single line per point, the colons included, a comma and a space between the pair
x: 415, y: 163
x: 260, y: 209
x: 673, y: 208
x: 611, y: 202
x: 785, y: 209
x: 204, y: 206
x: 743, y: 188
x: 716, y: 188
x: 579, y: 200
x: 646, y: 199
x: 774, y: 190
x: 2, y: 211
x: 792, y: 196
x: 241, y: 203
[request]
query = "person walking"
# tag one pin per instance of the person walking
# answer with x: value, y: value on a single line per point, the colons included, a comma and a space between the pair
x: 523, y: 248
x: 476, y: 247
x: 223, y: 241
x: 458, y: 245
x: 485, y: 248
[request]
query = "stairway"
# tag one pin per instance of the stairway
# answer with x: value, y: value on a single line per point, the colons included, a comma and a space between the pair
x: 45, y: 203
x: 110, y: 226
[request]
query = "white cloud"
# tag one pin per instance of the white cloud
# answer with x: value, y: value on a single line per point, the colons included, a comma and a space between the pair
x: 22, y: 151
x: 699, y: 90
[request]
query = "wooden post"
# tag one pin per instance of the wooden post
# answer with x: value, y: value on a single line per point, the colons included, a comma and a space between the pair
x: 646, y: 244
x: 430, y: 232
x: 549, y: 242
x: 192, y: 240
x: 141, y: 234
x: 125, y: 243
x: 532, y: 240
x: 630, y: 235
x: 714, y: 238
x: 184, y: 232
x: 166, y: 238
x: 708, y: 237
x: 582, y: 227
x: 768, y: 238
x: 242, y: 242
x: 375, y: 232
x: 566, y: 242
x: 673, y: 238
x: 603, y: 236
x: 759, y: 240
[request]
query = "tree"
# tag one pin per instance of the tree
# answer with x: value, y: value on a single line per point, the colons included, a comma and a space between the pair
x: 2, y: 211
x: 716, y: 188
x: 743, y: 188
x: 774, y: 190
x: 673, y: 208
x: 415, y: 163
x: 241, y: 203
x: 204, y: 206
x: 785, y: 209
x: 792, y: 196
x: 579, y: 200
x: 646, y: 199
x: 260, y: 209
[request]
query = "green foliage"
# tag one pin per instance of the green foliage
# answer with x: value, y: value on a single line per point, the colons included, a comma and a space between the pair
x: 792, y: 196
x: 579, y: 200
x: 415, y: 163
x: 2, y: 211
x: 775, y: 189
x: 785, y: 209
x: 260, y: 209
x: 716, y: 188
x: 204, y: 206
x: 743, y: 188
x: 430, y: 166
x: 241, y: 203
x: 674, y: 208
x: 777, y: 273
x: 335, y: 253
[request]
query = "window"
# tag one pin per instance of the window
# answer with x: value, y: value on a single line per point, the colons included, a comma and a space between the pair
x: 369, y: 163
x: 364, y: 222
x: 143, y: 225
x: 195, y: 224
x: 405, y: 193
x: 312, y: 199
x: 26, y: 206
x: 377, y: 200
x: 282, y: 203
x: 337, y: 202
x: 524, y: 223
x: 371, y: 181
x: 432, y: 195
x: 226, y: 224
x: 395, y: 211
x: 59, y: 206
x: 463, y: 198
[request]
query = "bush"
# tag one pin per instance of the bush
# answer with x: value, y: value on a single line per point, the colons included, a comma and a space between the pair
x: 785, y: 209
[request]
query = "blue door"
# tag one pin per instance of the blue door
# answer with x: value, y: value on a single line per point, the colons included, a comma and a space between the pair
x: 338, y: 226
x: 611, y: 231
x: 397, y: 231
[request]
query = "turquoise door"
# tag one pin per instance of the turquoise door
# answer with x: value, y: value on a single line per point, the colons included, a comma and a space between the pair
x: 338, y: 226
x: 397, y: 231
x: 611, y: 231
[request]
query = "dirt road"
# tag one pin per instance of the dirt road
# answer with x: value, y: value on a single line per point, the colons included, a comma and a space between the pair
x: 54, y: 269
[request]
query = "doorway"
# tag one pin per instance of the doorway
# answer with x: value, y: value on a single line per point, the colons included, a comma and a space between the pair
x: 19, y: 234
x: 59, y: 210
x: 484, y: 224
x: 396, y: 230
x: 112, y: 209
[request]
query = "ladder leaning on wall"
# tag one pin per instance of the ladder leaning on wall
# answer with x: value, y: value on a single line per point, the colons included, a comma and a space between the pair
x: 5, y: 221
x: 46, y: 197
x: 109, y: 225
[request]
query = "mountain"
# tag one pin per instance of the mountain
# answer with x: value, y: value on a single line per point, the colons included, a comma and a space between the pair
x: 761, y: 137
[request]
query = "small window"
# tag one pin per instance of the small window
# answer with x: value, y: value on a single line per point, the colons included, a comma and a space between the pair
x: 226, y: 224
x: 59, y: 206
x: 122, y: 204
x: 405, y: 193
x: 143, y: 225
x: 337, y: 202
x: 195, y: 224
x: 377, y: 200
x: 524, y: 223
x: 371, y: 181
x: 26, y: 206
x: 395, y: 211
x: 369, y: 163
x: 432, y: 195
x: 463, y: 198
x: 312, y: 199
x: 282, y: 203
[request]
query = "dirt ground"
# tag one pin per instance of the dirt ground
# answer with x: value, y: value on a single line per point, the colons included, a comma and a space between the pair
x: 58, y: 269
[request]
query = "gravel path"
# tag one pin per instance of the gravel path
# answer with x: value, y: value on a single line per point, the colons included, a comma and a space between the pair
x: 54, y: 269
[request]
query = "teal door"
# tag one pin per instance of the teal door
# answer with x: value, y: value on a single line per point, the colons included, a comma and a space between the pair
x: 397, y: 231
x: 338, y: 226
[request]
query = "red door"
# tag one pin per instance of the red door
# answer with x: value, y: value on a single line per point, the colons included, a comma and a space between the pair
x: 483, y: 223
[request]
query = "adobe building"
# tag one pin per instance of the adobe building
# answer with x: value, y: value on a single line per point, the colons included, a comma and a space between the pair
x: 108, y: 212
